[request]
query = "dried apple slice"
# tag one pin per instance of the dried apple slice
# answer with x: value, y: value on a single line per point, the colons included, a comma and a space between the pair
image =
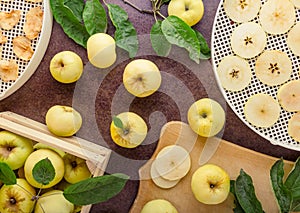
x: 34, y: 22
x: 8, y: 70
x: 277, y: 16
x: 173, y: 162
x: 289, y: 96
x: 3, y: 38
x: 273, y: 67
x: 242, y: 10
x: 22, y: 47
x: 293, y: 39
x: 234, y: 73
x: 9, y: 19
x: 294, y: 126
x: 262, y: 110
x: 160, y: 181
x: 248, y: 40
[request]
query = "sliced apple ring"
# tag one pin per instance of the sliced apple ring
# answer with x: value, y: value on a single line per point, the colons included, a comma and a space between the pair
x: 293, y: 40
x: 3, y: 39
x: 22, y: 48
x: 277, y: 16
x: 173, y: 162
x: 8, y: 70
x: 248, y: 40
x: 294, y: 127
x: 273, y: 67
x: 289, y: 96
x: 160, y: 181
x: 261, y: 110
x: 242, y: 10
x: 9, y: 19
x: 234, y: 73
x: 34, y: 22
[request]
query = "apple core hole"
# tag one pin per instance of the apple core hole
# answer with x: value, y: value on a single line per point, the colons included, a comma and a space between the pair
x: 186, y: 8
x: 9, y: 148
x: 74, y: 164
x: 203, y: 115
x: 12, y: 201
x: 212, y: 186
x: 61, y: 64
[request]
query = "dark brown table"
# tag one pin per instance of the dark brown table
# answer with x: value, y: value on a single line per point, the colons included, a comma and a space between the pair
x: 41, y: 92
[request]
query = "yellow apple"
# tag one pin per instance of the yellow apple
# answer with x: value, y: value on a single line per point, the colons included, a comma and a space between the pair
x: 206, y: 117
x: 210, y: 184
x: 17, y: 197
x: 66, y: 67
x: 14, y: 149
x: 53, y: 202
x: 190, y: 11
x: 101, y: 49
x: 39, y: 155
x: 159, y: 206
x: 75, y: 169
x: 132, y: 133
x: 63, y: 120
x: 45, y: 146
x: 141, y: 77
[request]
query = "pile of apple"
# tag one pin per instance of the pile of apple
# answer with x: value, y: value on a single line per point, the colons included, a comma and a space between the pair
x: 22, y: 154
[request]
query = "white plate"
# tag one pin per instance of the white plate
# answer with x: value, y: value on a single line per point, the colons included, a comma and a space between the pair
x: 220, y: 45
x: 39, y: 45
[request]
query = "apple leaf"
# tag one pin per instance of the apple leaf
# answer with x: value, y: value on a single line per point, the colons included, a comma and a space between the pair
x: 177, y: 32
x: 76, y: 6
x: 73, y: 28
x: 205, y: 52
x: 43, y: 171
x: 245, y: 193
x: 237, y: 208
x: 118, y: 122
x: 94, y: 16
x: 159, y: 42
x: 293, y: 180
x: 125, y: 34
x: 7, y: 175
x: 96, y: 189
x: 282, y: 194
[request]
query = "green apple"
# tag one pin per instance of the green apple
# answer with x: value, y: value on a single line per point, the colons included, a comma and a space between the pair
x: 17, y: 197
x: 190, y: 11
x: 141, y: 78
x: 210, y: 184
x: 66, y: 67
x: 45, y: 146
x: 39, y: 155
x: 14, y: 149
x: 158, y: 206
x: 133, y: 131
x: 53, y: 202
x: 63, y: 120
x: 206, y: 117
x: 101, y: 50
x: 75, y: 169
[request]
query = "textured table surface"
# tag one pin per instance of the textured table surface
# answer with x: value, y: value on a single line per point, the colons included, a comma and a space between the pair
x: 98, y: 95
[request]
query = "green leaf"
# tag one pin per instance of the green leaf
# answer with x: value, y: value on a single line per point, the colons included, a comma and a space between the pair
x: 43, y: 171
x: 159, y: 42
x: 245, y: 194
x: 177, y: 32
x: 292, y: 182
x: 76, y: 6
x: 118, y: 122
x: 125, y: 34
x: 237, y: 208
x: 205, y: 52
x: 96, y: 189
x: 7, y: 175
x: 94, y: 16
x: 282, y: 194
x: 69, y: 23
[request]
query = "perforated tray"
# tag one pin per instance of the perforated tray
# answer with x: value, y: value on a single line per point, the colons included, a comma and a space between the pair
x: 220, y: 45
x: 39, y: 45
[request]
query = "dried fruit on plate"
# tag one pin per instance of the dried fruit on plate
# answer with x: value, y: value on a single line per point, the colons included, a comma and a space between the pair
x: 34, y: 22
x: 289, y: 96
x: 22, y: 47
x: 294, y: 126
x: 9, y: 19
x: 3, y: 38
x: 34, y: 1
x: 8, y: 70
x: 293, y: 40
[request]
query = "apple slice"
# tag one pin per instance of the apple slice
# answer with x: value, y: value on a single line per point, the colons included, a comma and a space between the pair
x: 173, y: 162
x: 160, y: 181
x: 288, y: 96
x: 262, y: 110
x: 293, y: 40
x: 294, y: 126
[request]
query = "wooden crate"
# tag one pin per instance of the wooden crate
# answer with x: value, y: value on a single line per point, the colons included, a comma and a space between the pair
x: 96, y: 156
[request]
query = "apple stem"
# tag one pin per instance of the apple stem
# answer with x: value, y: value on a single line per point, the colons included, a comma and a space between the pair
x: 138, y: 8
